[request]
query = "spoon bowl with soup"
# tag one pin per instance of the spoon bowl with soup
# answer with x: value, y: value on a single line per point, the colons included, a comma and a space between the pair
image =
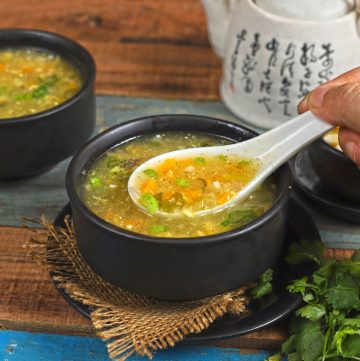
x: 210, y: 179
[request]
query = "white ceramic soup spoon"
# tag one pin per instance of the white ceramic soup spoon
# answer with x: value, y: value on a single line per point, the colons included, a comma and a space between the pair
x: 270, y: 150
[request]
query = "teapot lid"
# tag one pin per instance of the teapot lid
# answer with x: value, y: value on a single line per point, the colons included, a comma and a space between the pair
x: 308, y: 9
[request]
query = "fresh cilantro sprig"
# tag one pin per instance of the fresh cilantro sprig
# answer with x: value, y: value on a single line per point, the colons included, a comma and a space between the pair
x: 327, y: 326
x: 263, y: 285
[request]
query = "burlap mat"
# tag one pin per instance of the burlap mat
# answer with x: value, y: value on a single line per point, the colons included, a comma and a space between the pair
x: 127, y: 322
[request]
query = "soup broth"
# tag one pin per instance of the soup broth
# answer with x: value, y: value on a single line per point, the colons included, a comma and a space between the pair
x: 32, y: 81
x: 104, y: 191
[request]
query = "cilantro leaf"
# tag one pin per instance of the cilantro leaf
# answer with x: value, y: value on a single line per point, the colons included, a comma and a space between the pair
x: 263, y: 286
x: 306, y: 251
x: 151, y: 173
x: 159, y: 228
x: 149, y: 202
x: 95, y: 181
x: 182, y: 182
x: 199, y: 160
x: 312, y: 312
x: 328, y: 326
x: 307, y: 343
x: 347, y: 341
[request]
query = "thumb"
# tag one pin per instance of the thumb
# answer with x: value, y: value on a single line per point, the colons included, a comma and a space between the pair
x: 339, y: 104
x: 350, y: 143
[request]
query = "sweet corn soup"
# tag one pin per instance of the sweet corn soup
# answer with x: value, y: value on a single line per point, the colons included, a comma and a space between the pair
x: 32, y: 81
x: 105, y: 192
x: 199, y: 183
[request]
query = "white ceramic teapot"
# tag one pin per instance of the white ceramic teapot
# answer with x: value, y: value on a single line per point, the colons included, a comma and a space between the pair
x: 275, y: 51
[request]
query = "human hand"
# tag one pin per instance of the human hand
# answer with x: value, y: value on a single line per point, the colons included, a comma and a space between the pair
x: 338, y: 102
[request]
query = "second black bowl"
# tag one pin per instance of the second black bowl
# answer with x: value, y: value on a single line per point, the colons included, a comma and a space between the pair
x: 31, y: 144
x: 175, y: 268
x: 335, y: 170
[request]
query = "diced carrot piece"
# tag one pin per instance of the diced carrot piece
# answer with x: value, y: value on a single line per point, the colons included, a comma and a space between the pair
x: 148, y: 186
x: 132, y: 222
x: 222, y: 198
x: 196, y: 194
x: 169, y: 164
x: 2, y: 67
x: 187, y: 197
x: 27, y: 69
x: 167, y: 195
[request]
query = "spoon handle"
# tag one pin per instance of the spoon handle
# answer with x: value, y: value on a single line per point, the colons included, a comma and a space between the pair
x: 287, y: 139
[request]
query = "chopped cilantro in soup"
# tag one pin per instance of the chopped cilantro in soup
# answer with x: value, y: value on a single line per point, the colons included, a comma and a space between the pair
x: 32, y: 81
x: 104, y: 190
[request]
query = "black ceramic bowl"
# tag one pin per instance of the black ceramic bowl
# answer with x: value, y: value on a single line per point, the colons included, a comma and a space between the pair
x: 32, y: 144
x: 335, y: 170
x: 175, y: 268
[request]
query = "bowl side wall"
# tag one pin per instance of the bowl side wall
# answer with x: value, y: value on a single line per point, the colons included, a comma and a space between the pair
x: 180, y: 272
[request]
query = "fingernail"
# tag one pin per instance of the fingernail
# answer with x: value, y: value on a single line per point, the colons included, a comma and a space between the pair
x: 317, y: 97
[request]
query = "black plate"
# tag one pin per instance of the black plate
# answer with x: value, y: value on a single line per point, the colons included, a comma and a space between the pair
x: 272, y: 308
x: 306, y: 180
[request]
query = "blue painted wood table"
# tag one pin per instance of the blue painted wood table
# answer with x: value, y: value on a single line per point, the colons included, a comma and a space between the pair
x: 38, y: 324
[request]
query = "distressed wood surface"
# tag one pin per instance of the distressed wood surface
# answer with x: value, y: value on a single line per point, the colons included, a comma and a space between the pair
x: 141, y: 47
x: 30, y: 302
x: 20, y: 346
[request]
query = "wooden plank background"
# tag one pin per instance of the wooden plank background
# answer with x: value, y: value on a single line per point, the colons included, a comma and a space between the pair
x: 155, y: 48
x: 143, y: 48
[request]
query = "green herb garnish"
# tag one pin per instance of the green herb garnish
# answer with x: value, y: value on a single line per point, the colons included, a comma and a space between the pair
x: 263, y: 286
x: 244, y: 163
x: 182, y: 182
x: 25, y: 96
x: 222, y: 157
x: 151, y: 173
x: 117, y: 169
x: 327, y: 327
x: 149, y: 202
x: 95, y: 181
x: 159, y: 228
x: 239, y: 216
x: 41, y: 90
x: 199, y: 160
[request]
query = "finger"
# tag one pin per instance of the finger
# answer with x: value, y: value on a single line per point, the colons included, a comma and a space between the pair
x: 348, y: 77
x: 351, y: 76
x: 339, y: 105
x: 303, y: 106
x: 350, y: 144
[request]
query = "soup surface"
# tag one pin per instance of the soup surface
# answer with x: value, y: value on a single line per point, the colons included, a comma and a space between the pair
x: 189, y: 185
x: 104, y: 191
x: 32, y: 81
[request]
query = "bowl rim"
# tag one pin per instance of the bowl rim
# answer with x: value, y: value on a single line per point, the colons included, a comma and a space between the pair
x: 89, y: 81
x: 75, y: 199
